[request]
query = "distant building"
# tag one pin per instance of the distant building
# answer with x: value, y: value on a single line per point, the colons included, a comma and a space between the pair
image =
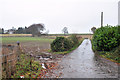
x: 5, y: 31
x: 119, y: 13
x: 11, y: 31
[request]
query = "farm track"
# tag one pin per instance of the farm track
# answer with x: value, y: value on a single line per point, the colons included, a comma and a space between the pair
x: 82, y: 63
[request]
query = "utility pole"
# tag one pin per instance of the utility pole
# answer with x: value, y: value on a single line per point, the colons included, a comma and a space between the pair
x: 119, y: 13
x: 101, y: 19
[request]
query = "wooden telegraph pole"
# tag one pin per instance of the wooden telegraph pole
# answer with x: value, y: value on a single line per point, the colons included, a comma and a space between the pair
x: 101, y: 19
x: 119, y: 13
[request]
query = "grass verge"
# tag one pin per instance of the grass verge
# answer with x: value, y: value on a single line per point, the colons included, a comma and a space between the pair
x: 24, y: 39
x: 27, y: 67
x: 113, y: 55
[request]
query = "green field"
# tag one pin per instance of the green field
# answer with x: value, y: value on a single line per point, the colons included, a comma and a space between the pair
x: 6, y: 40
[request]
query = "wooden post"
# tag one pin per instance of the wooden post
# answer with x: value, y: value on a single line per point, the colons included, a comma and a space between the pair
x: 18, y: 53
x: 101, y: 19
x: 30, y: 61
x: 6, y: 67
x: 18, y: 50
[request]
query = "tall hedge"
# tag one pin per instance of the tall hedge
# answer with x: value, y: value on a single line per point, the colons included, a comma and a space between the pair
x: 106, y: 38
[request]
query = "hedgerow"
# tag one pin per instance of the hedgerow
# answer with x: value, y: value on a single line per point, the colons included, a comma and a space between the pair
x: 106, y: 38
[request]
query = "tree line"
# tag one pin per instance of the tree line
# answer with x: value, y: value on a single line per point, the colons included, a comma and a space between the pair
x: 34, y: 29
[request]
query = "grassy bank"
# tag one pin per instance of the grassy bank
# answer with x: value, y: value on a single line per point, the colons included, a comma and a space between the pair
x: 65, y: 52
x: 112, y: 55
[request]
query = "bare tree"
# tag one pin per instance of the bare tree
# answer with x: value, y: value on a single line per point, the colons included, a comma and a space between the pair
x: 36, y: 29
x: 65, y: 30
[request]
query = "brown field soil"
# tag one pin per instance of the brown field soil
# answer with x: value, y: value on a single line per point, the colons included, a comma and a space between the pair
x: 11, y: 35
x: 49, y: 36
x: 35, y: 48
x: 85, y: 36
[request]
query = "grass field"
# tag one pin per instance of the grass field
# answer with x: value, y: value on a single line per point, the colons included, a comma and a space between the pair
x: 8, y: 40
x: 13, y: 38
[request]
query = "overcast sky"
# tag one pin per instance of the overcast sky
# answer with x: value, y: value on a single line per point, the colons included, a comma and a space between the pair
x: 77, y: 15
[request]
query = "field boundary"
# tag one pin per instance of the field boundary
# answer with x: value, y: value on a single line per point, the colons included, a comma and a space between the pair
x: 10, y: 56
x: 15, y: 35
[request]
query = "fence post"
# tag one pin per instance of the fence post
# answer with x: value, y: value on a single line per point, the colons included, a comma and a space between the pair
x: 6, y: 69
x: 30, y: 61
x: 18, y: 57
x: 18, y: 50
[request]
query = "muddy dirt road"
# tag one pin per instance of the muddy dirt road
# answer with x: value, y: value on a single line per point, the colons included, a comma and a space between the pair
x: 82, y: 63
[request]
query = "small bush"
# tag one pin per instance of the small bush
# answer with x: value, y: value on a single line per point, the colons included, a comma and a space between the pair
x: 74, y: 39
x: 61, y: 44
x: 106, y: 38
